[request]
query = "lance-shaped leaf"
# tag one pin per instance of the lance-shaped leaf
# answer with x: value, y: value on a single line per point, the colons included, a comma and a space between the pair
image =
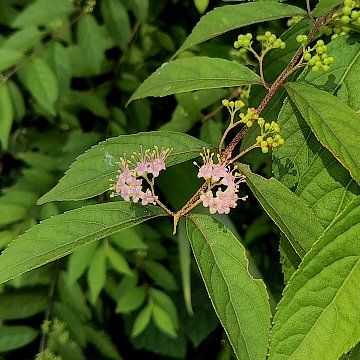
x: 240, y: 301
x: 319, y: 314
x: 334, y: 123
x: 6, y: 115
x: 195, y: 73
x: 232, y: 17
x: 89, y: 175
x: 290, y: 213
x: 65, y: 233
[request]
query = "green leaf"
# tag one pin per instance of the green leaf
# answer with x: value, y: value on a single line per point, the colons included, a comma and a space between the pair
x: 194, y: 73
x: 160, y: 275
x: 232, y: 17
x: 318, y: 316
x: 89, y: 175
x: 163, y: 321
x: 323, y: 6
x: 118, y: 262
x: 65, y: 233
x: 128, y: 240
x: 131, y: 300
x: 91, y: 41
x: 140, y: 8
x: 9, y: 58
x: 354, y: 354
x: 42, y: 83
x: 142, y: 320
x: 290, y: 213
x: 11, y: 213
x: 6, y: 115
x: 22, y: 305
x: 97, y: 274
x: 14, y: 337
x: 42, y: 12
x: 334, y: 123
x: 23, y: 40
x: 240, y: 301
x: 166, y: 303
x: 116, y: 21
x: 201, y: 5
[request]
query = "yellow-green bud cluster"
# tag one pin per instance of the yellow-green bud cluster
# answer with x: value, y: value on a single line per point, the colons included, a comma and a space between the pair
x: 270, y: 41
x: 294, y: 20
x: 233, y: 105
x: 343, y: 21
x: 243, y: 41
x: 249, y: 117
x: 302, y: 39
x: 320, y: 60
x: 270, y: 137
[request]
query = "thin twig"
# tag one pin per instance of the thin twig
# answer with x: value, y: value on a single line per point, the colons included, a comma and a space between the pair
x: 208, y: 116
x: 309, y: 10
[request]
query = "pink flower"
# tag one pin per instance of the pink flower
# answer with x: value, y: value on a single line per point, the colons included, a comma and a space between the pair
x: 148, y: 197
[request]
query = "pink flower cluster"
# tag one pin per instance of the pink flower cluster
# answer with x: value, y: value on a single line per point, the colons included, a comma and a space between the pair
x: 133, y: 175
x: 218, y: 175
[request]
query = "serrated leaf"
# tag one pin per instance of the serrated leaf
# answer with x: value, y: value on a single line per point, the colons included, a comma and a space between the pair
x: 42, y: 12
x: 232, y: 17
x: 240, y: 301
x: 163, y: 321
x: 131, y: 300
x: 6, y: 115
x: 319, y: 315
x: 97, y: 274
x: 117, y: 21
x: 160, y: 274
x: 142, y: 320
x: 194, y: 73
x: 89, y: 174
x: 334, y: 123
x: 290, y: 213
x: 118, y: 262
x: 65, y: 233
x: 14, y: 337
x: 42, y: 83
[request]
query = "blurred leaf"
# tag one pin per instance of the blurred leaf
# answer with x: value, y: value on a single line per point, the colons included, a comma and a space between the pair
x: 118, y: 262
x: 68, y: 232
x: 334, y: 123
x: 97, y: 274
x: 142, y: 320
x: 194, y: 73
x: 9, y: 58
x: 17, y: 101
x: 6, y: 115
x: 128, y: 239
x: 240, y: 301
x: 140, y: 8
x: 42, y: 83
x: 201, y: 5
x: 160, y: 275
x: 42, y: 12
x: 14, y: 337
x: 232, y: 17
x: 23, y: 40
x: 324, y: 6
x: 11, y: 213
x: 116, y: 21
x: 163, y: 321
x: 89, y: 174
x: 131, y: 300
x: 166, y: 303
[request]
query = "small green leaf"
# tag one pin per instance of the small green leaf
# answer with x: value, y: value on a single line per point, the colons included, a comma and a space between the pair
x: 318, y: 316
x: 9, y: 58
x: 131, y: 300
x: 163, y: 321
x: 116, y: 21
x: 160, y: 275
x: 14, y: 337
x: 240, y: 301
x: 166, y: 303
x: 142, y: 320
x: 232, y: 17
x: 89, y: 174
x: 128, y: 240
x: 295, y: 219
x: 65, y: 233
x: 118, y: 262
x: 97, y: 274
x: 201, y: 5
x: 334, y: 123
x: 23, y: 40
x: 6, y: 115
x: 194, y: 73
x: 42, y: 83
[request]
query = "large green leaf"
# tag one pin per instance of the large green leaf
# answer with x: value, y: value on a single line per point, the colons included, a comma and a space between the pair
x: 295, y: 219
x: 194, y: 73
x: 334, y: 123
x: 89, y: 174
x: 325, y: 5
x: 14, y: 337
x: 318, y: 317
x: 65, y: 233
x: 6, y: 115
x: 231, y: 17
x: 240, y: 301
